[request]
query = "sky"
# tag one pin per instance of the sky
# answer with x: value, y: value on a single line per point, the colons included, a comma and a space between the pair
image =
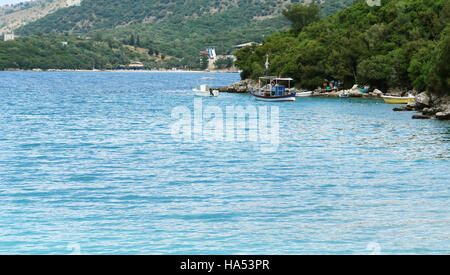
x: 4, y: 2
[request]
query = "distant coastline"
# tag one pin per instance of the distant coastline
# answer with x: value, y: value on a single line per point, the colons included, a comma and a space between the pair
x: 119, y: 71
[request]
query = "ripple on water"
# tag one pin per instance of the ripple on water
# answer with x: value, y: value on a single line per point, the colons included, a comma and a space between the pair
x: 87, y: 159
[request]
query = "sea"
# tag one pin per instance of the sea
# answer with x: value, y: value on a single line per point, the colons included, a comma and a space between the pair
x: 94, y: 163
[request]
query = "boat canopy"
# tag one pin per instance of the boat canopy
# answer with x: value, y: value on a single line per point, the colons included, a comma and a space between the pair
x: 276, y: 78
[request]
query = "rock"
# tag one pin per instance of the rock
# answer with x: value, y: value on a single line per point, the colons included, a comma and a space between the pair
x: 411, y: 105
x: 355, y: 93
x: 418, y: 116
x: 377, y: 92
x: 428, y: 111
x: 444, y: 115
x: 397, y: 91
x: 401, y: 109
x: 243, y: 86
x: 413, y: 92
x: 422, y: 100
x: 431, y: 111
x: 316, y: 93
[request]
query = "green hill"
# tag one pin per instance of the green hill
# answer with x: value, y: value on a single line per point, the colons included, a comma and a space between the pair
x: 107, y: 14
x: 170, y: 28
x: 20, y: 14
x: 176, y: 27
x: 69, y: 52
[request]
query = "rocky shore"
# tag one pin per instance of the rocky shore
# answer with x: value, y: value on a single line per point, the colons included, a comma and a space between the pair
x: 431, y: 106
x: 241, y: 87
x: 246, y: 86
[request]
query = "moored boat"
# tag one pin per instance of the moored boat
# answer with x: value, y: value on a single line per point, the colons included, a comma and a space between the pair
x: 271, y: 89
x: 205, y: 91
x: 398, y: 99
x: 303, y: 94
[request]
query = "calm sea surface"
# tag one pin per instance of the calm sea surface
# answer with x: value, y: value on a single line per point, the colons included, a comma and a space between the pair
x: 88, y: 165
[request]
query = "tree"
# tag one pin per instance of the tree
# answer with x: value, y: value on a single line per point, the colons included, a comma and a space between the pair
x: 442, y: 61
x: 98, y: 36
x: 301, y: 15
x: 223, y: 63
x: 138, y: 41
x: 375, y: 71
x: 204, y: 62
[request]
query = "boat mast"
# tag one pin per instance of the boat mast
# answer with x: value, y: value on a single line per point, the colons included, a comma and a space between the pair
x: 267, y: 63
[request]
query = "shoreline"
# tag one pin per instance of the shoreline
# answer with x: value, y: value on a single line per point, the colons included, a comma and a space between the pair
x: 245, y: 87
x: 432, y: 106
x: 116, y: 71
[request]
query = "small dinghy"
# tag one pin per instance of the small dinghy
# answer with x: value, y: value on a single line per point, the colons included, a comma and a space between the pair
x: 303, y: 94
x: 205, y: 91
x: 398, y: 99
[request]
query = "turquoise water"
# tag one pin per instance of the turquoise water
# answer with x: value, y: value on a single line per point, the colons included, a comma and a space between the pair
x: 88, y: 165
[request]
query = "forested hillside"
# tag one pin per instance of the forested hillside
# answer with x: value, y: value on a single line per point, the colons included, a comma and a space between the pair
x: 402, y: 43
x: 20, y: 14
x: 69, y: 52
x: 106, y: 14
x: 162, y: 28
x: 175, y: 27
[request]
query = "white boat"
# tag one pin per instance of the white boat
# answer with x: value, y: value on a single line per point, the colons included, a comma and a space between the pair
x: 275, y: 98
x: 205, y: 91
x: 273, y: 91
x: 303, y: 94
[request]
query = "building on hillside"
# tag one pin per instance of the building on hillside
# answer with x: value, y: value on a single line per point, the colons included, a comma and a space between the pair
x: 212, y: 56
x: 240, y: 46
x: 209, y: 52
x: 8, y: 36
x: 71, y: 3
x: 135, y: 66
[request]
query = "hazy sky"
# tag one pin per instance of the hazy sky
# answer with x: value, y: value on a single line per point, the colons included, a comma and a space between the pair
x: 4, y: 2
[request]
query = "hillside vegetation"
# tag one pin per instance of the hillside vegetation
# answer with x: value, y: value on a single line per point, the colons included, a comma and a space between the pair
x: 175, y: 27
x: 171, y: 33
x: 402, y: 43
x: 15, y: 16
x: 107, y: 14
x: 70, y: 52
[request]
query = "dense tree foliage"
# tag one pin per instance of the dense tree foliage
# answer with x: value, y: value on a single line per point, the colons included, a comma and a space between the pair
x: 224, y: 63
x: 302, y: 15
x: 330, y: 7
x: 68, y: 52
x: 173, y: 27
x: 402, y: 43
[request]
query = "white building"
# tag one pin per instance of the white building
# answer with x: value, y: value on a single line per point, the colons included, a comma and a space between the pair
x: 73, y: 3
x: 247, y: 45
x: 8, y: 36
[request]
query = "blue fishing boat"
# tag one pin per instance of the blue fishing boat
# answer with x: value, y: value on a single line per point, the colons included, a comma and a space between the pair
x: 272, y: 88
